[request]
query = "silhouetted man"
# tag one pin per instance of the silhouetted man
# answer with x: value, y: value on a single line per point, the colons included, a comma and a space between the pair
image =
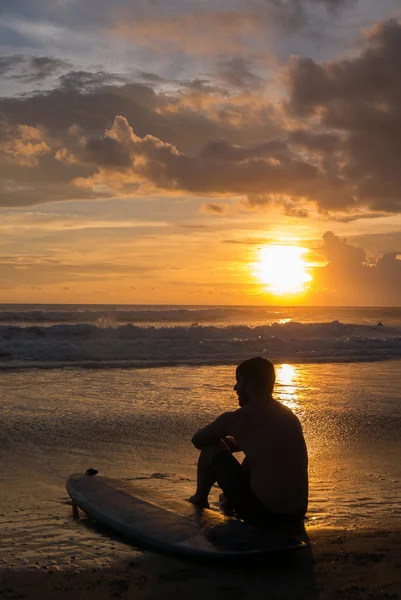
x: 270, y: 487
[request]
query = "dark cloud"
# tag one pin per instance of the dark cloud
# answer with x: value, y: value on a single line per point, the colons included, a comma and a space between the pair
x: 217, y: 209
x: 379, y: 243
x: 360, y: 98
x: 81, y: 109
x: 274, y: 150
x: 9, y: 63
x: 339, y: 149
x: 236, y: 171
x: 151, y: 77
x: 318, y: 142
x: 349, y: 279
x: 257, y: 201
x: 85, y: 81
x: 337, y: 251
x: 171, y: 118
x: 291, y: 15
x: 359, y: 216
x: 203, y: 86
x: 107, y: 152
x: 30, y: 69
x: 237, y: 72
x: 291, y: 209
x: 30, y: 173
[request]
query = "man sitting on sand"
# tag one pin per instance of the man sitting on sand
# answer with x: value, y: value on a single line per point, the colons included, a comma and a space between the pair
x: 270, y: 487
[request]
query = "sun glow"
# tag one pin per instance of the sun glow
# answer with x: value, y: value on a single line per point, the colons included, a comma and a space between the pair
x: 283, y: 269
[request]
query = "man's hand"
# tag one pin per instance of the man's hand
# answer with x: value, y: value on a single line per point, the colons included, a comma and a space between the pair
x: 212, y: 433
x: 232, y: 444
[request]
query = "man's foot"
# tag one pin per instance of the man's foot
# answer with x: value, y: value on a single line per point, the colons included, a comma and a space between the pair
x: 201, y: 502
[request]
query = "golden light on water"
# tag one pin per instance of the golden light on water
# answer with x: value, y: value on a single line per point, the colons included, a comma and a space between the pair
x: 283, y: 269
x: 286, y: 374
x: 286, y: 388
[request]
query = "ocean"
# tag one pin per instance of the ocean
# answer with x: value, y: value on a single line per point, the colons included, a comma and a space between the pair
x: 155, y: 336
x: 123, y: 388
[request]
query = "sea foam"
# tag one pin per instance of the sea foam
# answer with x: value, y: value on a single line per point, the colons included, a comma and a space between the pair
x: 129, y: 345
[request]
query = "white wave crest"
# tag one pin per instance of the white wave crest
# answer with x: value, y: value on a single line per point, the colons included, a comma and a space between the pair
x: 138, y: 346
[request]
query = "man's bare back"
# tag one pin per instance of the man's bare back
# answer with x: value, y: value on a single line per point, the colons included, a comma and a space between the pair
x: 273, y: 479
x: 271, y: 437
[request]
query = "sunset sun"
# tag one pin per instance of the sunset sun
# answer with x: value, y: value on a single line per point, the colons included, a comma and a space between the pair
x: 283, y: 269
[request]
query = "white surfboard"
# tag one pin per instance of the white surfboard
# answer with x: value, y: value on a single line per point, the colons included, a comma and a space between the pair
x: 145, y: 516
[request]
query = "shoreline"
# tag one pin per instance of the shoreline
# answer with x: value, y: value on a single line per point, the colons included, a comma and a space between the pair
x: 340, y: 564
x: 132, y: 365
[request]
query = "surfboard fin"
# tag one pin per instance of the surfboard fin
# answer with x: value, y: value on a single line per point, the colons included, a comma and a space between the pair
x: 92, y: 472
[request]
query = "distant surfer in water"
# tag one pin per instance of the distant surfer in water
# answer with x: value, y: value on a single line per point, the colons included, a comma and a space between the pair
x: 270, y: 487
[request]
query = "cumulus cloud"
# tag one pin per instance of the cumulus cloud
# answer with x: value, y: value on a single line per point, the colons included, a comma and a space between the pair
x: 188, y: 118
x: 29, y: 171
x: 154, y: 162
x: 335, y: 145
x: 75, y: 115
x: 349, y: 278
x: 356, y: 101
x: 22, y: 145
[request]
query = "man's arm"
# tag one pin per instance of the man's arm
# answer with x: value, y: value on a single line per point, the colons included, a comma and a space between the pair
x: 212, y: 433
x: 232, y: 443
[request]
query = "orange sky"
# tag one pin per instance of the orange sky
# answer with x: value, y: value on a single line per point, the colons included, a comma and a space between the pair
x: 149, y: 153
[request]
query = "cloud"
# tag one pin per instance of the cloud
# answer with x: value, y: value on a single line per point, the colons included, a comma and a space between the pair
x: 237, y: 73
x: 349, y: 278
x: 22, y: 145
x: 217, y: 209
x: 379, y: 243
x: 29, y: 171
x: 291, y: 15
x: 30, y: 69
x: 332, y: 145
x: 83, y: 106
x: 162, y: 166
x: 337, y: 251
x: 18, y: 223
x: 198, y: 31
x: 357, y: 103
x: 86, y: 81
x: 359, y: 216
x: 186, y: 118
x: 27, y: 270
x: 257, y: 201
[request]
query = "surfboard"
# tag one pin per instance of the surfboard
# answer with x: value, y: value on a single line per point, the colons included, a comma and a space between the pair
x: 144, y: 516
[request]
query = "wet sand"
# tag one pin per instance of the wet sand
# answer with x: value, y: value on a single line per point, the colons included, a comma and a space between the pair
x: 340, y: 565
x: 139, y: 427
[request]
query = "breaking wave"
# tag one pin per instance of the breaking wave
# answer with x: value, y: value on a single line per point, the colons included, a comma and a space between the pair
x: 129, y: 345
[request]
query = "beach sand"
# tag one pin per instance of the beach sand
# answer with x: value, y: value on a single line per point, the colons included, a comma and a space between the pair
x: 138, y: 426
x: 339, y: 565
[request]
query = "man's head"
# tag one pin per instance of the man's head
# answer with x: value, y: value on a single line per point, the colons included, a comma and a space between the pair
x: 255, y: 377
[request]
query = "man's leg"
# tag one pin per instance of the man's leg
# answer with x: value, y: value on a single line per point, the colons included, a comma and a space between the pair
x: 206, y: 476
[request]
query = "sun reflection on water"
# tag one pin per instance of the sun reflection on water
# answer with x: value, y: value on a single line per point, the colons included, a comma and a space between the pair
x: 286, y: 386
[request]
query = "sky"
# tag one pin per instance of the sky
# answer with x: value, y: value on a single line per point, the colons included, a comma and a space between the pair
x: 150, y: 152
